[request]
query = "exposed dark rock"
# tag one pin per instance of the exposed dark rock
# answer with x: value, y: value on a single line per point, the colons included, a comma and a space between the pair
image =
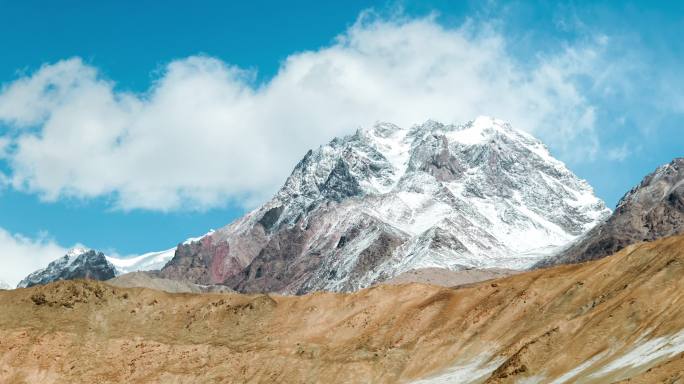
x: 271, y: 216
x: 432, y: 156
x: 289, y: 263
x: 340, y: 183
x: 372, y: 257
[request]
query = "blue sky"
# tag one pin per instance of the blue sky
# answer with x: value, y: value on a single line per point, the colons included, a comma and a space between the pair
x: 609, y: 75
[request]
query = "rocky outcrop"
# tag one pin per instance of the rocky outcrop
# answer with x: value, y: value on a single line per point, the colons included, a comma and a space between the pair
x: 651, y: 210
x: 77, y: 264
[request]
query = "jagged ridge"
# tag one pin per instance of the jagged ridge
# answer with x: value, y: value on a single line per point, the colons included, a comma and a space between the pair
x: 651, y: 210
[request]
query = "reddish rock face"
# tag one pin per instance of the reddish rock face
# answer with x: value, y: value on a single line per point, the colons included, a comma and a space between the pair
x: 206, y: 261
x: 215, y: 257
x: 307, y: 256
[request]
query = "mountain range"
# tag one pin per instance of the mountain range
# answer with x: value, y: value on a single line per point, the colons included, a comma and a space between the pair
x: 390, y: 203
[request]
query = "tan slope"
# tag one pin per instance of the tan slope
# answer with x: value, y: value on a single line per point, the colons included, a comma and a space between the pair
x: 153, y: 281
x: 448, y: 278
x: 613, y: 318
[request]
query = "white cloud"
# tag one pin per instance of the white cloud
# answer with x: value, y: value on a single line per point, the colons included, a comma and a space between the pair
x: 20, y: 255
x: 204, y: 133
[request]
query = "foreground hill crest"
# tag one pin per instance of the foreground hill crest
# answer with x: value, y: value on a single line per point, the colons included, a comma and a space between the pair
x: 613, y: 320
x: 387, y: 199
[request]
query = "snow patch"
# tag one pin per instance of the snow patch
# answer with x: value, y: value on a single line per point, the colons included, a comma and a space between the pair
x: 643, y: 355
x: 469, y: 372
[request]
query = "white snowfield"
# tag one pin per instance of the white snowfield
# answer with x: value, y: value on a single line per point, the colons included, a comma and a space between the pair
x: 145, y: 262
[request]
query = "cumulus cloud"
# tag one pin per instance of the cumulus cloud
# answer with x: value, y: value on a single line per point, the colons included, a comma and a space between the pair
x: 20, y: 255
x: 206, y: 133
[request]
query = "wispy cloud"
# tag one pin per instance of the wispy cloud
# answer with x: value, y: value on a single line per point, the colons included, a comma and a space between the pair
x: 618, y: 153
x: 205, y: 134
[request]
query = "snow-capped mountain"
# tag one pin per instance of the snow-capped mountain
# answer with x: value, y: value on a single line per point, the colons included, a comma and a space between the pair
x: 369, y: 206
x: 4, y: 285
x: 78, y: 263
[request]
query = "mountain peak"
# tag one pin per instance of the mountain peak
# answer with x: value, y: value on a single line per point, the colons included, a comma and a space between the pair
x: 657, y: 185
x: 77, y: 251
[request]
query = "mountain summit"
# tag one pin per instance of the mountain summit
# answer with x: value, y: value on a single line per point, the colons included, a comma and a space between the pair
x: 387, y: 199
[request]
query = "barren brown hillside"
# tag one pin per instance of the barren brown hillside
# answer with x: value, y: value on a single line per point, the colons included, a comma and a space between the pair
x: 616, y: 318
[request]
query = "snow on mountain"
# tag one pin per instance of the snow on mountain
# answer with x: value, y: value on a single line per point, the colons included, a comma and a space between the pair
x: 151, y: 261
x: 369, y: 206
x: 145, y: 262
x: 4, y: 285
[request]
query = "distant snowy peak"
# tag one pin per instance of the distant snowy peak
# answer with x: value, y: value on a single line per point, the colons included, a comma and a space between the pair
x: 4, y: 285
x: 78, y: 263
x: 151, y: 261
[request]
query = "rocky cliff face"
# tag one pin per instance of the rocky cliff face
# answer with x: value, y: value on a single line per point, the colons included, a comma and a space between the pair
x: 77, y: 264
x: 651, y: 210
x: 367, y: 207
